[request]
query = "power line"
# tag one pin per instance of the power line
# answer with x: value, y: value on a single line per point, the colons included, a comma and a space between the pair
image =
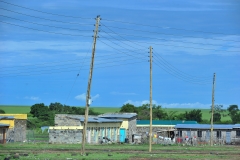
x: 119, y: 50
x: 174, y: 45
x: 46, y: 18
x: 44, y: 30
x: 179, y: 74
x: 43, y: 11
x: 186, y: 80
x: 138, y: 24
x: 174, y: 35
x: 61, y: 63
x: 104, y: 66
x: 43, y: 24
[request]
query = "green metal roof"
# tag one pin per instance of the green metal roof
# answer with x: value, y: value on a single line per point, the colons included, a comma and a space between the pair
x: 164, y: 122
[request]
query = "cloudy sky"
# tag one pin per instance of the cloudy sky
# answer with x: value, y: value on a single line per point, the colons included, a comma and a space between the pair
x: 45, y: 52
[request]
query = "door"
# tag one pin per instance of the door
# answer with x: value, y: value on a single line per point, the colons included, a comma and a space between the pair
x: 207, y: 135
x: 122, y: 135
x: 228, y: 137
x: 189, y: 134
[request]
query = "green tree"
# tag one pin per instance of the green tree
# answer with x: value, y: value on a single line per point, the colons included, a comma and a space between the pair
x: 129, y: 108
x: 217, y: 113
x: 234, y: 113
x: 39, y: 109
x: 2, y: 111
x: 194, y: 115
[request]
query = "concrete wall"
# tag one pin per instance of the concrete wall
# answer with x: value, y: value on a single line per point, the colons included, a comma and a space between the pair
x: 207, y: 133
x: 70, y: 136
x: 132, y: 128
x: 142, y: 130
x: 20, y: 129
x: 66, y: 120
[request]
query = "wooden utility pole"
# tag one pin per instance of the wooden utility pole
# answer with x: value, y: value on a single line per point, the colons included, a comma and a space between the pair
x: 88, y: 100
x: 213, y: 88
x: 150, y: 129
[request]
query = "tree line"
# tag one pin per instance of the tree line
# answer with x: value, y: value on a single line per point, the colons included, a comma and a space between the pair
x: 143, y: 113
x: 43, y: 115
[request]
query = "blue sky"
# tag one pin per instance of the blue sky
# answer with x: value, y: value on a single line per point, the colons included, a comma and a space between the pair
x: 45, y: 52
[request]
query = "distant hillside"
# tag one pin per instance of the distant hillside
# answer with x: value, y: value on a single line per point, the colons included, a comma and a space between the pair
x: 14, y: 109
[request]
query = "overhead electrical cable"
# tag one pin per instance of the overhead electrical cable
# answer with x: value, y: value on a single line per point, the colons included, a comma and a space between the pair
x: 61, y: 15
x: 62, y: 63
x: 166, y: 27
x: 186, y: 80
x: 179, y: 74
x: 175, y: 45
x: 120, y: 51
x: 96, y: 67
x: 44, y: 24
x: 179, y: 36
x: 44, y: 30
x: 176, y: 70
x: 83, y: 24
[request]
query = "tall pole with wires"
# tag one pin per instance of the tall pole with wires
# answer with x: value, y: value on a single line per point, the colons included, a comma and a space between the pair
x: 88, y: 100
x: 213, y: 88
x: 150, y: 128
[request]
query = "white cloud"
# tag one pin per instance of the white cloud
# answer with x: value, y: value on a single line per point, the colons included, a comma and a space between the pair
x: 32, y: 98
x: 82, y: 97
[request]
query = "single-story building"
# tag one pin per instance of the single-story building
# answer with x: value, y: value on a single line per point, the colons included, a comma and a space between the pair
x: 164, y: 128
x: 224, y: 133
x: 114, y: 127
x: 17, y: 126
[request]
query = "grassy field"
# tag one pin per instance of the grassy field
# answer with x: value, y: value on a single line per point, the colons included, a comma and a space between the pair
x: 26, y: 109
x: 11, y: 109
x: 117, y: 151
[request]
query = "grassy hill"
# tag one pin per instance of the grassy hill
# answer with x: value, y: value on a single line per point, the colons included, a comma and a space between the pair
x: 14, y: 109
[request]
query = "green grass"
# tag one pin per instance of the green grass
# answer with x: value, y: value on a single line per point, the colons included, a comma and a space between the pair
x: 205, y: 113
x: 11, y: 109
x: 118, y: 151
x: 105, y: 109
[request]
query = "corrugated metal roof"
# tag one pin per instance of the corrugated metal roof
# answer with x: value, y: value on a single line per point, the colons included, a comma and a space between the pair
x: 4, y: 125
x: 101, y: 120
x: 204, y: 126
x: 164, y: 122
x: 236, y: 126
x: 6, y: 117
x: 118, y: 115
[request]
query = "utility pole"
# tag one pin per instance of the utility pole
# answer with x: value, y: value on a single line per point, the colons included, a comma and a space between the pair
x: 213, y: 88
x: 88, y: 100
x: 150, y: 129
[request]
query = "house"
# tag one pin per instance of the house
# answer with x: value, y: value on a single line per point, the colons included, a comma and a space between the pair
x: 224, y: 133
x: 164, y: 128
x: 114, y: 127
x: 17, y: 126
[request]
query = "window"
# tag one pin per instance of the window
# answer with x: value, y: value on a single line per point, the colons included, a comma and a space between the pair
x: 179, y: 133
x: 199, y: 133
x: 238, y: 133
x: 219, y: 134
